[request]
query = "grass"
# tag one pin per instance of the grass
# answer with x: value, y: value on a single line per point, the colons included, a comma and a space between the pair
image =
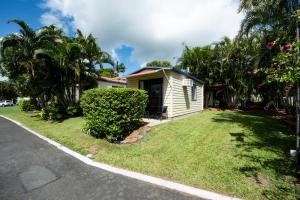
x: 245, y: 154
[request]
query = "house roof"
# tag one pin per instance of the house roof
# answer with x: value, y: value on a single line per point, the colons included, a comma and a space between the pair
x: 118, y: 80
x: 143, y: 72
x: 152, y: 70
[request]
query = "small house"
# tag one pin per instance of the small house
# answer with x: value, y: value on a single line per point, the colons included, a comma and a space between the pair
x: 172, y: 92
x: 116, y: 82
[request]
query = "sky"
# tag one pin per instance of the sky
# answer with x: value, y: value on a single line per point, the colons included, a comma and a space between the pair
x: 133, y: 31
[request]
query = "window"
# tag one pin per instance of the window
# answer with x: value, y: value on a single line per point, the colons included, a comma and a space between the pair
x: 194, y: 93
x: 142, y: 85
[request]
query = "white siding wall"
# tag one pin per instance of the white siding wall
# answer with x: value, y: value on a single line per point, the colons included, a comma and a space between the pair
x: 182, y: 96
x: 105, y: 84
x: 175, y: 96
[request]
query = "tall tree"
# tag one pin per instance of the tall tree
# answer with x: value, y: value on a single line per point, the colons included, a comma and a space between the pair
x: 228, y: 64
x: 7, y: 91
x: 159, y: 63
x: 107, y: 72
x: 45, y: 63
x: 19, y: 60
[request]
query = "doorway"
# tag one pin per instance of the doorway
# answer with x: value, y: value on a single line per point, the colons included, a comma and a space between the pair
x: 154, y: 87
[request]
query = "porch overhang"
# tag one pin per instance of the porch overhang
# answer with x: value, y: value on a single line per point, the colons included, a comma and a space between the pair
x: 153, y: 70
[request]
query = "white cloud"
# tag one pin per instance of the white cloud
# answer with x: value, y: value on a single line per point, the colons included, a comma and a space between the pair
x: 144, y: 64
x: 114, y: 55
x: 155, y: 29
x: 50, y: 18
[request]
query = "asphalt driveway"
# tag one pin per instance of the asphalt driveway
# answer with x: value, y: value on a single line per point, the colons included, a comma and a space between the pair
x: 30, y: 168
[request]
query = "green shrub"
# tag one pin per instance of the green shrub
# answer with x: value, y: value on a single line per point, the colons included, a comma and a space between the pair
x: 26, y: 105
x: 44, y: 114
x: 51, y: 110
x: 112, y: 112
x: 74, y: 110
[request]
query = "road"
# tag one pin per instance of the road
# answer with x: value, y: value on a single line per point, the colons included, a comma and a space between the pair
x: 31, y: 169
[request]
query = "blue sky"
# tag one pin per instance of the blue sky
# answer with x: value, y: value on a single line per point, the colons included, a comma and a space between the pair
x: 31, y: 11
x: 27, y: 10
x: 133, y: 31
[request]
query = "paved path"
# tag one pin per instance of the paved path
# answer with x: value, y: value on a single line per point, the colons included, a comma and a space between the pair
x: 32, y: 169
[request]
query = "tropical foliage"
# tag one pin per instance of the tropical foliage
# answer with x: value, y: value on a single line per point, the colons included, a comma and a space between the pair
x: 159, y: 63
x: 238, y: 70
x: 46, y: 64
x: 7, y: 90
x: 26, y: 105
x: 229, y: 65
x: 107, y: 72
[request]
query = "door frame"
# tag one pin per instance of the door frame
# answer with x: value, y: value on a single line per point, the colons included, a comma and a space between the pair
x: 161, y: 95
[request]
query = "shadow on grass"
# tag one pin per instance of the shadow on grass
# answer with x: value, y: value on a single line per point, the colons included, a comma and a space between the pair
x: 36, y: 116
x: 265, y: 148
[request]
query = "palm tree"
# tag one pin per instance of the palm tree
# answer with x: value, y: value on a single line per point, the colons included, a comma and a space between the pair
x: 268, y: 16
x: 46, y: 63
x: 226, y: 64
x: 94, y: 55
x: 21, y: 56
x: 119, y: 67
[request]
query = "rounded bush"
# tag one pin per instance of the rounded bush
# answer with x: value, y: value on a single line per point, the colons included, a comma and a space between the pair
x: 26, y: 105
x: 112, y: 112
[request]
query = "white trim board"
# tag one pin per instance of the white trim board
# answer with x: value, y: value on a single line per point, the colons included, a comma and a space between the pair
x: 142, y: 177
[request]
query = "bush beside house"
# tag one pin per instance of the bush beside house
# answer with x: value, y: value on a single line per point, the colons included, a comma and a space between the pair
x: 112, y: 112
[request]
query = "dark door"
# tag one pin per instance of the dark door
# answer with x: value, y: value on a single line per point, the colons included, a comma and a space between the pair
x: 155, y: 91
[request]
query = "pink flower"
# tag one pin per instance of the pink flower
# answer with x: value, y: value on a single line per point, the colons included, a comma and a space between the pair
x: 286, y: 48
x: 287, y: 88
x: 270, y: 45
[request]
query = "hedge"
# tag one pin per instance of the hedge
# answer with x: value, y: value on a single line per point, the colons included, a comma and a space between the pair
x: 26, y: 105
x: 112, y: 113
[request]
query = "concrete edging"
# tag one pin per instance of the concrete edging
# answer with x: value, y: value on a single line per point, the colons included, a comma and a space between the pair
x: 142, y: 177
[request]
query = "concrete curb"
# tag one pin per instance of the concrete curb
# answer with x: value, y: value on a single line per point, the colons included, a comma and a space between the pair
x: 149, y: 179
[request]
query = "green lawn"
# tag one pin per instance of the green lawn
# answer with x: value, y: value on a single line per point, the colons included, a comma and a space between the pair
x: 245, y: 154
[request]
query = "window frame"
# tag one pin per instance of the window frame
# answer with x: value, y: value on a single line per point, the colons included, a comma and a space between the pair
x: 194, y: 95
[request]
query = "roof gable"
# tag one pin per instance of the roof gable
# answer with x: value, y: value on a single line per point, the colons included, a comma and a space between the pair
x: 174, y: 69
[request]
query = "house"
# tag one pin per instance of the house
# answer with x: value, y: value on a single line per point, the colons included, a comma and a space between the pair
x: 104, y: 82
x: 172, y: 92
x: 116, y: 82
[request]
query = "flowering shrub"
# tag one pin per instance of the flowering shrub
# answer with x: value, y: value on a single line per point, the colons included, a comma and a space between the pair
x: 270, y: 45
x: 286, y: 48
x: 286, y: 66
